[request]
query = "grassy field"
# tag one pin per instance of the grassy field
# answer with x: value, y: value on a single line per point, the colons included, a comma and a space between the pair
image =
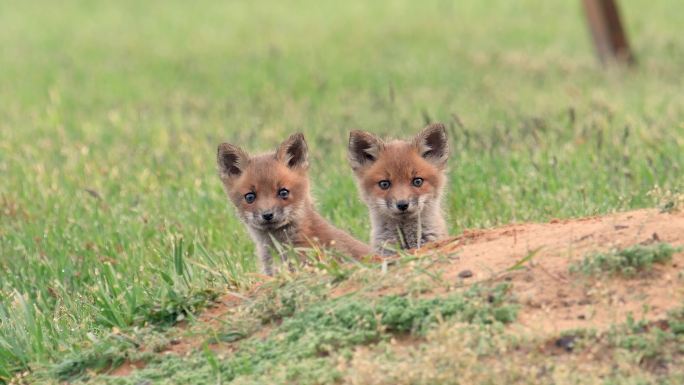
x: 111, y: 213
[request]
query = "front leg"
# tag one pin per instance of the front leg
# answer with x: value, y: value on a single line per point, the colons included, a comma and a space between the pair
x: 266, y: 259
x: 384, y: 236
x: 385, y: 244
x: 427, y: 238
x: 284, y: 254
x: 267, y: 252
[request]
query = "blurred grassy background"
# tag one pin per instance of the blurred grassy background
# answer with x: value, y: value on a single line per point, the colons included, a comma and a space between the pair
x: 111, y: 114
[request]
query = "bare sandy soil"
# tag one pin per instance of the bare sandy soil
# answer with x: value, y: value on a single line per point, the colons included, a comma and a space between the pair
x: 552, y: 299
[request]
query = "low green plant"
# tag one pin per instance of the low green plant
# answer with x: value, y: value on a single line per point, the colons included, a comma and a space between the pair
x: 284, y: 301
x: 667, y: 201
x: 310, y: 332
x: 653, y: 345
x: 331, y: 326
x: 627, y: 262
x: 101, y: 355
x: 633, y: 352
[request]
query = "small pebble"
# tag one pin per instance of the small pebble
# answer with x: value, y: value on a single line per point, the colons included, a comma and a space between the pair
x: 566, y: 342
x: 465, y: 274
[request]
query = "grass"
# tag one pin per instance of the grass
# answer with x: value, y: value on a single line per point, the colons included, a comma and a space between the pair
x: 111, y: 214
x: 628, y: 261
x: 308, y: 336
x: 633, y: 352
x: 307, y: 332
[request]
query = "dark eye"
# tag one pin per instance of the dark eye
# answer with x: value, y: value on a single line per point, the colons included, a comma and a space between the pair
x: 384, y: 184
x: 417, y: 182
x: 250, y: 197
x: 283, y: 193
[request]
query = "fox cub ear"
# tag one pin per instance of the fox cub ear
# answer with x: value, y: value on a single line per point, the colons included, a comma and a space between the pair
x: 433, y: 145
x: 294, y: 152
x: 363, y: 149
x: 231, y: 161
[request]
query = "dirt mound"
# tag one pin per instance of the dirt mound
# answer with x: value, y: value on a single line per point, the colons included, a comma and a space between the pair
x: 534, y: 258
x: 552, y: 299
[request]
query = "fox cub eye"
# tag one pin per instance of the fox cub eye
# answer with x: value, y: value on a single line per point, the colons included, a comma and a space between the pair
x: 250, y: 197
x: 283, y: 193
x: 417, y: 182
x: 384, y: 184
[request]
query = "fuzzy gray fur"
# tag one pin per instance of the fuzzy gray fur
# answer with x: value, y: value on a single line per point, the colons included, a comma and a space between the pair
x: 389, y: 233
x: 265, y: 247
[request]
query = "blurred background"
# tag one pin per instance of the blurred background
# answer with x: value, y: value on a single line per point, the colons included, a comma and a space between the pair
x: 111, y: 112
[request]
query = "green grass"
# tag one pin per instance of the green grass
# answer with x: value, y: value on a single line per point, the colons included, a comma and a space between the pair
x: 457, y: 337
x: 111, y: 214
x: 628, y: 261
x: 306, y: 345
x: 307, y: 332
x: 633, y: 352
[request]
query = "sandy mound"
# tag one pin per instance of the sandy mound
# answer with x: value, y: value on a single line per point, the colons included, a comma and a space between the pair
x: 552, y: 299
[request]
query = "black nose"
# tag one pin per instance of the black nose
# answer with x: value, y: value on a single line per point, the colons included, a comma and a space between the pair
x: 267, y: 216
x: 402, y: 205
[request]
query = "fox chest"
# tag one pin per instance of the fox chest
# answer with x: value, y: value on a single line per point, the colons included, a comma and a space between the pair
x: 404, y: 236
x: 286, y: 236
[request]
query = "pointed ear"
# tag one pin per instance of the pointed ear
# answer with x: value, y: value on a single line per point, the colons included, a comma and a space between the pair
x: 293, y: 152
x: 231, y: 161
x: 363, y: 149
x: 433, y: 145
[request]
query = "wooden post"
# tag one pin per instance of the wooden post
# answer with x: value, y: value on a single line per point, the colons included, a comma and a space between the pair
x: 606, y: 29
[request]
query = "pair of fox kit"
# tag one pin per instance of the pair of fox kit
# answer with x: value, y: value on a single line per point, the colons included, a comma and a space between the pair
x: 400, y: 181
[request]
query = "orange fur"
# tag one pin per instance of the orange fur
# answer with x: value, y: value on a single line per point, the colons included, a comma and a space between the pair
x: 293, y: 218
x: 400, y: 162
x: 402, y: 182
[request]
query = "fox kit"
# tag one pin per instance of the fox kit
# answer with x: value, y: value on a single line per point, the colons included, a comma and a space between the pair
x: 402, y: 182
x: 271, y: 194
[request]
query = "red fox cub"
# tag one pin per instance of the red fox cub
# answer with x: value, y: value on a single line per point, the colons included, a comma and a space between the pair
x: 271, y: 195
x: 402, y: 183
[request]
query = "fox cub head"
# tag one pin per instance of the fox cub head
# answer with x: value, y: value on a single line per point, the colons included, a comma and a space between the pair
x: 271, y: 190
x: 398, y: 179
